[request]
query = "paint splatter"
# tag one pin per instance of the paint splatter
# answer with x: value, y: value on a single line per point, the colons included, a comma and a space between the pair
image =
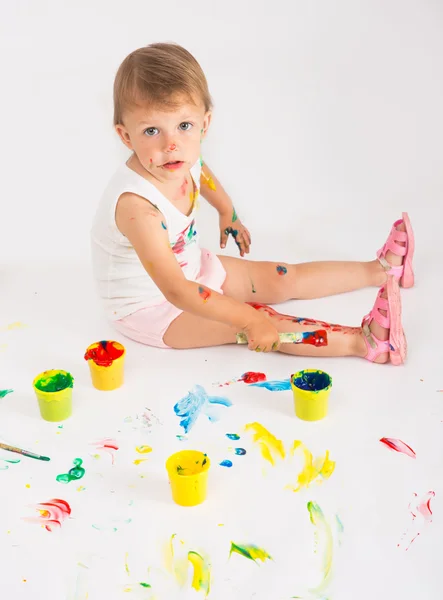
x: 143, y: 449
x: 234, y: 216
x: 226, y: 463
x: 204, y: 293
x: 104, y: 353
x: 164, y: 226
x: 77, y: 472
x: 322, y: 467
x: 421, y: 513
x: 325, y: 540
x: 270, y: 446
x: 281, y: 270
x: 196, y: 402
x: 109, y: 526
x: 51, y: 514
x: 8, y: 461
x: 201, y: 579
x: 233, y: 436
x: 234, y: 233
x: 250, y: 551
x: 274, y: 386
x: 186, y: 237
x: 108, y: 445
x: 240, y: 451
x: 398, y: 446
x: 252, y: 377
x: 15, y: 325
x: 181, y: 438
x: 3, y: 393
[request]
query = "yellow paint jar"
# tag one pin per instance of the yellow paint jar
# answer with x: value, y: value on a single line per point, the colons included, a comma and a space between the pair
x: 53, y: 389
x: 311, y: 389
x: 188, y: 476
x: 106, y: 364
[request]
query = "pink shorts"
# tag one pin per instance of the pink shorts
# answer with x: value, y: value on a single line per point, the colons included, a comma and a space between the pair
x: 149, y: 325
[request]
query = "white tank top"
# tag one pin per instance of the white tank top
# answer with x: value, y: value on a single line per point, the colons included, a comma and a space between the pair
x: 123, y: 284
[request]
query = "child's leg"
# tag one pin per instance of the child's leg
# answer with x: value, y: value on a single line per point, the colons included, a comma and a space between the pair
x: 190, y: 331
x: 272, y: 283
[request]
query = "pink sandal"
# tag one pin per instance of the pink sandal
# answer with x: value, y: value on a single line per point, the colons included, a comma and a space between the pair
x: 404, y: 273
x: 396, y: 344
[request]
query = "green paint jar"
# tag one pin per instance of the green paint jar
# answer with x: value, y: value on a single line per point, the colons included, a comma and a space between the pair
x: 53, y: 389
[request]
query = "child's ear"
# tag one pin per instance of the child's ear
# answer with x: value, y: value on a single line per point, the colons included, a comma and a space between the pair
x: 206, y: 122
x: 124, y: 136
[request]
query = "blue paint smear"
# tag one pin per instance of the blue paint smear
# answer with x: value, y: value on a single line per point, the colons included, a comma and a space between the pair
x: 240, y: 451
x: 273, y: 386
x: 226, y: 463
x: 233, y: 436
x: 182, y: 438
x: 313, y: 382
x: 163, y: 225
x: 196, y: 402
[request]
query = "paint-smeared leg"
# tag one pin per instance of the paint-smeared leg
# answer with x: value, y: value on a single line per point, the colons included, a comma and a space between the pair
x: 191, y: 331
x: 272, y: 283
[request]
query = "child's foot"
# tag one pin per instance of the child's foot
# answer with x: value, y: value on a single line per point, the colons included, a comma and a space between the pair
x: 397, y: 253
x: 382, y: 328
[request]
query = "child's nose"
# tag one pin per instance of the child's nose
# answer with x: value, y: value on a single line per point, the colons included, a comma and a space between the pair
x: 171, y: 147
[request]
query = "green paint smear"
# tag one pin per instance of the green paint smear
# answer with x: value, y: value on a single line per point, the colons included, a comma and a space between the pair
x: 3, y: 393
x: 56, y: 383
x: 145, y: 585
x: 73, y: 474
x: 251, y: 552
x: 234, y: 215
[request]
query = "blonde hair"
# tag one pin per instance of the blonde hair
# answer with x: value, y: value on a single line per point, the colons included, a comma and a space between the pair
x: 158, y: 75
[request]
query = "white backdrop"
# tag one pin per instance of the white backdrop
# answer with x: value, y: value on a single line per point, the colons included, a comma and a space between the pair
x: 327, y: 125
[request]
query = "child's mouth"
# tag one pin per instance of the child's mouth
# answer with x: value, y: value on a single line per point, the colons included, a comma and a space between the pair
x: 173, y: 165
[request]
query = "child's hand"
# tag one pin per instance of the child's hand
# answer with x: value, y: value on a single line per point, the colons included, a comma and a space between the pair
x: 262, y: 335
x: 231, y: 224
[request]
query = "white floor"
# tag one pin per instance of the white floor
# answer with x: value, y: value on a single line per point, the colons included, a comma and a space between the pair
x: 370, y: 489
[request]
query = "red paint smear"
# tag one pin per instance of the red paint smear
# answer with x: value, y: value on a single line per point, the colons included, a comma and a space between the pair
x: 104, y: 354
x: 184, y: 187
x: 316, y: 338
x: 398, y: 446
x: 422, y: 507
x: 204, y: 293
x: 109, y: 445
x: 52, y: 514
x: 252, y: 377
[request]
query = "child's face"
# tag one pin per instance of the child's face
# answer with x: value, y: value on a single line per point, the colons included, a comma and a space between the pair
x: 167, y: 144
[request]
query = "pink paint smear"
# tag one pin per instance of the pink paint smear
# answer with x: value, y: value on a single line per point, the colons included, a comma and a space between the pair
x: 398, y: 446
x: 108, y: 445
x: 421, y: 513
x: 52, y: 514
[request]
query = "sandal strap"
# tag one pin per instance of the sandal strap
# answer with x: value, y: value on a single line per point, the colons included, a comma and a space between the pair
x: 381, y: 304
x: 374, y: 345
x: 397, y: 271
x: 392, y: 243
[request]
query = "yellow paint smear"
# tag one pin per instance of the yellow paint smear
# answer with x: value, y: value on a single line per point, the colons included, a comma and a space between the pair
x: 143, y: 449
x: 270, y: 446
x: 313, y: 468
x: 16, y: 325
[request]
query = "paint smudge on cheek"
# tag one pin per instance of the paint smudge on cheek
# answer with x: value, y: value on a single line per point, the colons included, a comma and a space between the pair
x: 51, y: 514
x: 421, y: 513
x: 252, y: 377
x: 108, y: 445
x: 226, y: 463
x: 249, y: 551
x: 281, y: 270
x: 398, y: 446
x: 270, y: 447
x: 77, y: 472
x: 204, y: 293
x: 3, y: 393
x: 196, y: 402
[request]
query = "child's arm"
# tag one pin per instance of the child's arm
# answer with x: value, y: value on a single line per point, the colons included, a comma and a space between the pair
x: 212, y: 190
x: 141, y: 223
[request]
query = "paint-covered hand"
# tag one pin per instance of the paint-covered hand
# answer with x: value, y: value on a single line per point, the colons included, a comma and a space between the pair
x: 262, y: 335
x: 230, y: 224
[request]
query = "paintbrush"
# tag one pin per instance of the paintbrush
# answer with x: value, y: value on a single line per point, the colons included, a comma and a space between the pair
x: 23, y: 452
x: 313, y: 338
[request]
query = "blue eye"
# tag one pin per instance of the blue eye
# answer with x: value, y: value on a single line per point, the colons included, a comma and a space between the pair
x: 185, y: 126
x: 151, y: 131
